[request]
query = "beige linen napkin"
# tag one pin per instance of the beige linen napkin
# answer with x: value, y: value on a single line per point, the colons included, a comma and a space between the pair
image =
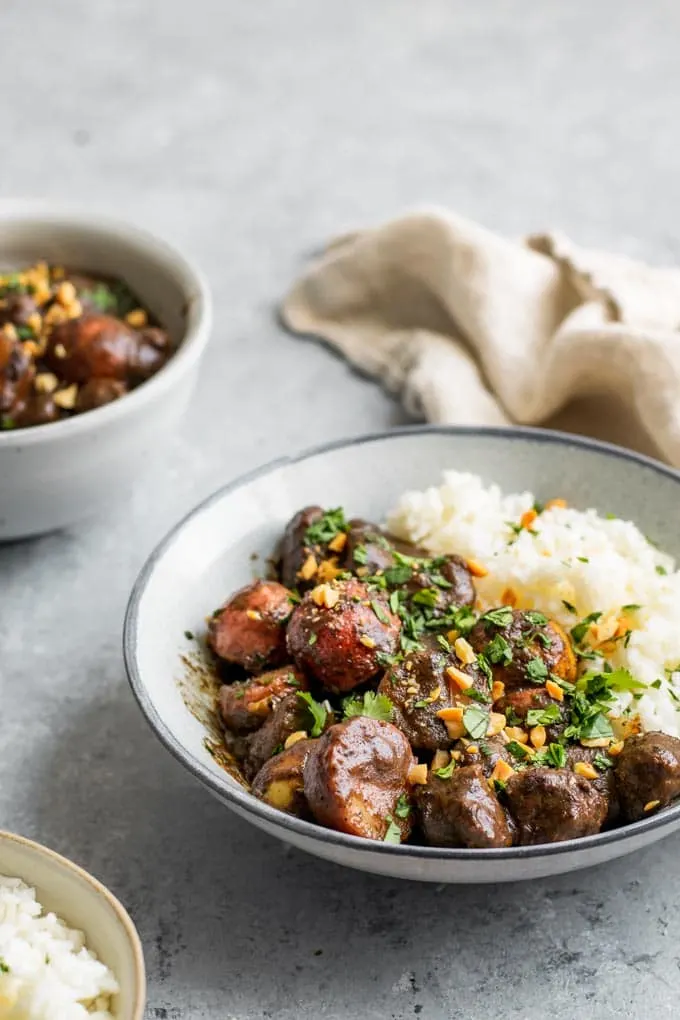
x: 472, y: 328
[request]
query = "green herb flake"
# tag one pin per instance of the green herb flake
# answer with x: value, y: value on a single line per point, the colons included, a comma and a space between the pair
x: 446, y: 771
x: 400, y: 574
x: 661, y: 571
x: 188, y: 635
x: 557, y: 755
x: 317, y: 711
x: 501, y: 617
x: 380, y: 612
x: 403, y: 808
x: 313, y: 638
x: 543, y: 716
x: 393, y: 832
x: 360, y: 555
x: 517, y: 751
x: 330, y: 524
x: 535, y: 618
x: 499, y: 651
x: 371, y: 704
x: 569, y: 607
x: 4, y: 967
x: 602, y: 762
x: 444, y: 644
x: 581, y: 629
x: 476, y: 721
x: 537, y: 671
x: 583, y: 559
x: 426, y: 597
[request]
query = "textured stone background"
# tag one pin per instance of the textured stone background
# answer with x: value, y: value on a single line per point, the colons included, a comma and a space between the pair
x: 249, y: 132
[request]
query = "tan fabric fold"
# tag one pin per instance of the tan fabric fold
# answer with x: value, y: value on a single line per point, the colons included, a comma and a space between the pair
x: 472, y: 328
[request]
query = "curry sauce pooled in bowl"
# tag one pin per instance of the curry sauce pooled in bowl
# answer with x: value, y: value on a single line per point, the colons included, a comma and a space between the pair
x: 486, y: 672
x: 71, y: 342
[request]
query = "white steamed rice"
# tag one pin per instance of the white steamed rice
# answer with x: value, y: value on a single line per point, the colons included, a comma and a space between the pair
x: 594, y: 563
x: 46, y: 970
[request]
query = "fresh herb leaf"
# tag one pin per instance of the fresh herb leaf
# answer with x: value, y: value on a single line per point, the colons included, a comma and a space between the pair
x: 317, y: 711
x: 602, y: 762
x: 499, y: 651
x: 444, y: 644
x: 538, y: 507
x: 403, y: 808
x: 474, y: 695
x: 188, y: 635
x: 484, y: 667
x: 557, y: 755
x: 393, y: 833
x: 661, y: 571
x: 330, y: 524
x: 4, y: 967
x: 313, y: 638
x: 476, y: 721
x: 400, y: 574
x: 395, y: 602
x: 598, y: 726
x: 568, y: 606
x: 101, y: 296
x: 372, y: 705
x: 426, y: 597
x: 535, y: 618
x: 517, y: 751
x: 501, y: 617
x: 543, y: 716
x: 360, y: 555
x: 583, y: 559
x: 383, y: 659
x: 536, y: 670
x: 446, y: 771
x: 581, y: 629
x: 380, y: 612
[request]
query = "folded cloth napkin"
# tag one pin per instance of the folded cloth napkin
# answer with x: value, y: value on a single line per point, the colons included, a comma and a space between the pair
x: 472, y: 328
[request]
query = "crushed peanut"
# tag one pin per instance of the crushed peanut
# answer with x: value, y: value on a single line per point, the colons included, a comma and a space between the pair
x: 585, y: 769
x: 253, y: 614
x: 555, y: 504
x: 497, y: 690
x: 595, y: 741
x: 615, y: 749
x: 472, y: 749
x: 527, y: 518
x: 55, y: 315
x: 66, y: 399
x: 45, y: 382
x: 554, y: 690
x: 294, y: 738
x: 324, y: 595
x: 497, y: 723
x: 464, y: 651
x: 328, y: 570
x: 338, y: 543
x: 34, y: 322
x: 461, y: 680
x: 137, y: 318
x: 66, y: 293
x: 537, y: 736
x: 418, y: 775
x: 434, y: 695
x: 308, y: 568
x: 367, y: 641
x: 476, y: 568
x: 509, y: 597
x: 10, y: 331
x: 651, y: 804
x: 516, y: 733
x: 441, y: 760
x: 501, y: 773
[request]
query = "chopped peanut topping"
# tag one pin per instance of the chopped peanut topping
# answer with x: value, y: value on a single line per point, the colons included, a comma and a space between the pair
x: 603, y: 629
x: 464, y: 651
x: 455, y: 730
x: 456, y: 755
x: 58, y: 273
x: 34, y: 322
x: 253, y: 614
x: 66, y: 399
x: 59, y: 351
x: 367, y: 641
x: 651, y: 804
x: 55, y: 315
x: 418, y: 775
x: 452, y: 636
x: 338, y: 543
x: 66, y: 293
x: 528, y: 518
x: 308, y: 568
x: 554, y: 690
x: 624, y: 728
x: 441, y: 760
x: 472, y: 749
x: 509, y: 597
x: 497, y: 723
x: 595, y: 741
x: 137, y: 318
x: 516, y: 733
x: 497, y: 690
x: 615, y: 749
x: 537, y: 736
x: 461, y: 680
x: 450, y: 714
x: 556, y: 504
x: 434, y: 695
x: 10, y: 331
x: 294, y: 738
x: 501, y: 772
x: 328, y: 570
x: 476, y: 568
x: 324, y: 595
x: 46, y: 382
x: 585, y: 769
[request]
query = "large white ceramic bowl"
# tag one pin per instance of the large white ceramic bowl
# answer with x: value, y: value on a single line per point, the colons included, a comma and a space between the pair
x: 57, y: 474
x: 208, y: 555
x: 84, y: 903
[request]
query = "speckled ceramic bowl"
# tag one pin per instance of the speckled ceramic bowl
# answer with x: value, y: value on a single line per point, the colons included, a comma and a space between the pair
x: 84, y: 903
x: 208, y: 555
x: 58, y: 474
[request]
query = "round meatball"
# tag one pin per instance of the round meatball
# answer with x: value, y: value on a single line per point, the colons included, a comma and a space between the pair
x: 462, y: 811
x: 339, y: 631
x: 356, y: 778
x: 458, y: 588
x: 370, y: 550
x: 40, y: 409
x: 97, y: 392
x: 647, y: 774
x: 250, y: 628
x: 16, y: 375
x: 606, y: 781
x: 523, y: 648
x: 551, y: 805
x: 280, y: 781
x: 91, y: 346
x: 245, y: 705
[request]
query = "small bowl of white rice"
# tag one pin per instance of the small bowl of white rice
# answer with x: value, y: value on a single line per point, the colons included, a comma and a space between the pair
x: 68, y: 948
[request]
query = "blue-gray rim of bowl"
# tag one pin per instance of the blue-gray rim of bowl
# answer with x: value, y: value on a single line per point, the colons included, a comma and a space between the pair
x: 250, y: 804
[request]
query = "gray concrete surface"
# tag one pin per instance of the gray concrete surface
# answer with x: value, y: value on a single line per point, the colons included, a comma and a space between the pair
x: 248, y: 132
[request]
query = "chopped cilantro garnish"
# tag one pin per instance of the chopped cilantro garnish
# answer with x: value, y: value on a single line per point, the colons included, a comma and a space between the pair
x: 501, y: 617
x: 499, y: 651
x: 383, y: 659
x: 568, y: 606
x: 4, y: 967
x: 426, y: 597
x: 403, y: 808
x: 379, y: 612
x: 581, y: 629
x: 327, y: 527
x: 557, y: 755
x: 398, y: 575
x: 476, y: 721
x: 360, y: 555
x: 312, y: 639
x: 188, y: 635
x: 446, y: 771
x: 375, y: 706
x: 536, y: 670
x: 537, y: 619
x: 661, y: 570
x: 602, y: 762
x: 543, y: 716
x: 317, y: 711
x: 474, y: 695
x: 393, y: 833
x: 395, y: 602
x: 517, y: 750
x: 444, y: 644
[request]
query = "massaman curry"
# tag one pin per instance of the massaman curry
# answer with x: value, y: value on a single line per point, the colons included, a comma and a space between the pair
x: 70, y: 342
x: 375, y: 697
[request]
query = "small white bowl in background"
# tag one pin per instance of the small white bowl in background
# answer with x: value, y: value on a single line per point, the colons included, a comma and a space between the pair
x: 57, y: 474
x: 83, y: 903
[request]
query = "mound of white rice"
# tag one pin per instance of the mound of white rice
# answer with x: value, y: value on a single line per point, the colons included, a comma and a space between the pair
x: 46, y: 971
x: 569, y: 564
